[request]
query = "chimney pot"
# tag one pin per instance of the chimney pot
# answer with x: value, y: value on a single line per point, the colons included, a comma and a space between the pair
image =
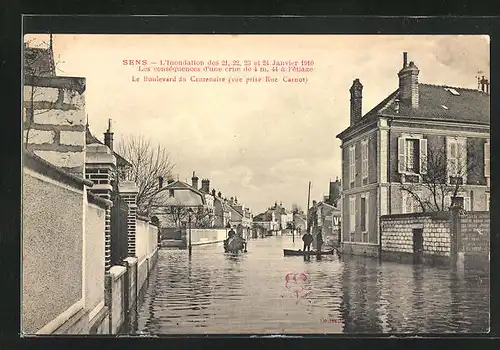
x: 160, y: 181
x: 108, y: 136
x: 356, y: 91
x: 405, y: 59
x: 194, y: 181
x: 408, y: 86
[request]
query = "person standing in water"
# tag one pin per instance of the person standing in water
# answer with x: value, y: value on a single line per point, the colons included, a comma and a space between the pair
x: 307, y: 238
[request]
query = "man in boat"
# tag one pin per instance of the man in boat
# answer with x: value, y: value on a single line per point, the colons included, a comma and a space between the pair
x: 307, y: 238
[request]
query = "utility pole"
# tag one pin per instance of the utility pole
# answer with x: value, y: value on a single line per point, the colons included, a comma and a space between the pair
x: 308, y: 201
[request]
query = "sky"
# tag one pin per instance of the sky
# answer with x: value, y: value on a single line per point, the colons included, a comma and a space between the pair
x: 259, y: 142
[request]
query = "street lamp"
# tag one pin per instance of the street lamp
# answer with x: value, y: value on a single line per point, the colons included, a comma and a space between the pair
x: 190, y: 212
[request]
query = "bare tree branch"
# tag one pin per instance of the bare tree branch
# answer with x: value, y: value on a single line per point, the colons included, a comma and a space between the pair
x: 441, y: 177
x: 148, y: 163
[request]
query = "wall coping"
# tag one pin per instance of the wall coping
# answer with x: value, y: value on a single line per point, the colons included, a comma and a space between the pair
x: 70, y: 83
x: 131, y: 260
x: 40, y: 165
x: 440, y: 215
x: 142, y: 218
x: 117, y: 271
x: 99, y: 201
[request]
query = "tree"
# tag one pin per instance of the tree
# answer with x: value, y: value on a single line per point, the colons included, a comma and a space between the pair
x: 296, y: 209
x: 148, y: 163
x: 442, y: 177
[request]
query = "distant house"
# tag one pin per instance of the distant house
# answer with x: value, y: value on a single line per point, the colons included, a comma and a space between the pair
x: 389, y: 149
x: 241, y: 216
x: 174, y: 203
x: 123, y: 166
x: 222, y: 211
x: 326, y: 221
x: 266, y: 222
x: 300, y: 222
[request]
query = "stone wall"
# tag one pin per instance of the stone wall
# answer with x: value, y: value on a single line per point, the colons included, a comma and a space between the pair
x: 95, y: 213
x: 397, y: 233
x: 116, y: 290
x: 54, y: 120
x: 52, y: 246
x: 474, y: 243
x: 371, y: 250
x: 206, y: 235
x: 452, y: 237
x: 475, y: 233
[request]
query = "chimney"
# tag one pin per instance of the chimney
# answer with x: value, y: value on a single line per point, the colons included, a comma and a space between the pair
x: 194, y: 181
x: 408, y: 84
x: 356, y: 91
x: 219, y: 194
x: 160, y: 182
x: 108, y: 136
x: 205, y: 185
x: 213, y: 192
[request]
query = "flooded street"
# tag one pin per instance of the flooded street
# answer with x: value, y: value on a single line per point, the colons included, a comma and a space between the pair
x: 264, y: 292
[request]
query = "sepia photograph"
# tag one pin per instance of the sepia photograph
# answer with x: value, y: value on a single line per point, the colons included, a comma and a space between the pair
x: 177, y: 184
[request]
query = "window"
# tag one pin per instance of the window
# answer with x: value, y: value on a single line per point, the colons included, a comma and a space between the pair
x: 457, y: 159
x: 410, y: 204
x: 352, y: 164
x: 364, y: 162
x: 461, y: 200
x: 352, y: 214
x: 364, y: 212
x: 412, y: 155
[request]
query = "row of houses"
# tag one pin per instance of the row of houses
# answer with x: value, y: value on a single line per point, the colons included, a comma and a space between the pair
x: 177, y: 204
x: 424, y: 148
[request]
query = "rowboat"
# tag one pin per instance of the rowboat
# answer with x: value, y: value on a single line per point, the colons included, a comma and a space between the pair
x: 290, y: 252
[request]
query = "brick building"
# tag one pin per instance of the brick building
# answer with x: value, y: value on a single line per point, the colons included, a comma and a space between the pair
x: 388, y: 148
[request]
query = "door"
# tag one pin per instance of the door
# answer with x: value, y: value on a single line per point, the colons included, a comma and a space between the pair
x: 418, y: 244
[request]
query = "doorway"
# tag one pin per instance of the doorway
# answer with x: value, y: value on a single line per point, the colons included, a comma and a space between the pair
x: 418, y: 244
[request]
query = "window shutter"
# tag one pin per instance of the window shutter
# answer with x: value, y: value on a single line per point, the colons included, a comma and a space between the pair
x: 487, y: 159
x: 467, y: 203
x: 423, y: 156
x: 462, y: 159
x: 404, y: 200
x: 367, y: 211
x: 352, y: 214
x: 401, y: 154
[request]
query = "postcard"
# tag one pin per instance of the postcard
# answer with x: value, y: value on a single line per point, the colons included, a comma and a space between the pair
x: 255, y: 184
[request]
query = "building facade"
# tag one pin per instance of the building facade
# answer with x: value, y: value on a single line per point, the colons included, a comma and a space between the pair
x: 390, y: 153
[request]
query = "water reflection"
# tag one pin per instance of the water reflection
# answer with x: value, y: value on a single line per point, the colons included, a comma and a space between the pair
x: 215, y: 292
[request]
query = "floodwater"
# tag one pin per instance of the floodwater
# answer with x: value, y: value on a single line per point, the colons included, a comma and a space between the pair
x: 217, y: 293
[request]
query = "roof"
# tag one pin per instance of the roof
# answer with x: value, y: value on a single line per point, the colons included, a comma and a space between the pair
x: 436, y: 102
x: 89, y: 139
x: 185, y: 195
x: 440, y: 102
x: 236, y: 210
x: 263, y: 217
